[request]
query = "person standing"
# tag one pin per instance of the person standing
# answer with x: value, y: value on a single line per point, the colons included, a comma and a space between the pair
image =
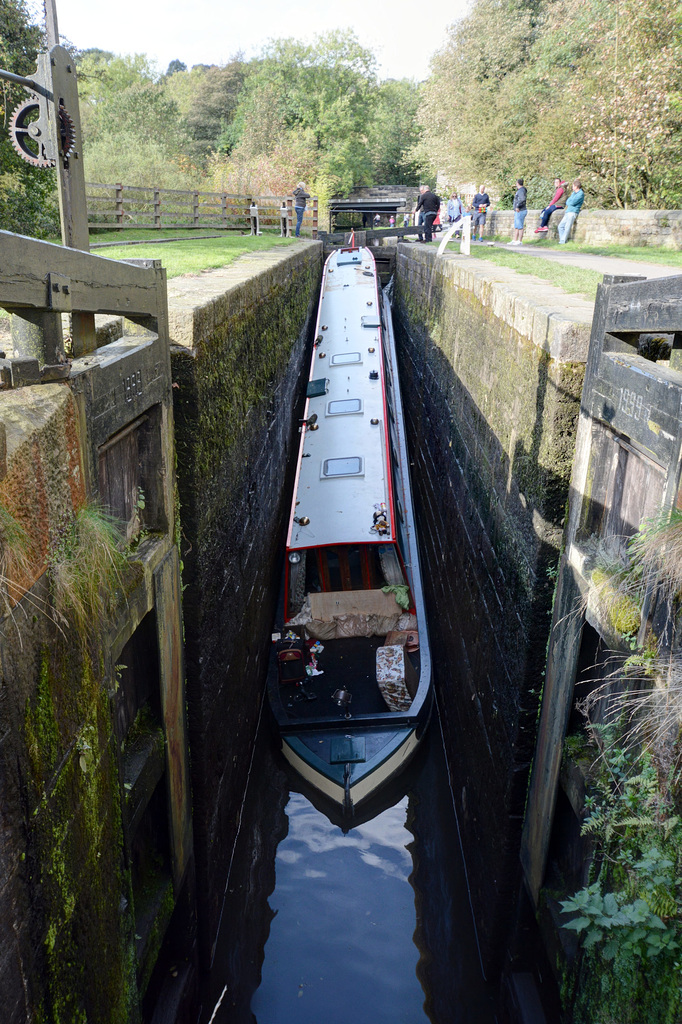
x: 520, y: 211
x: 574, y: 205
x: 429, y: 203
x: 455, y: 209
x: 300, y: 196
x: 479, y: 206
x: 559, y: 190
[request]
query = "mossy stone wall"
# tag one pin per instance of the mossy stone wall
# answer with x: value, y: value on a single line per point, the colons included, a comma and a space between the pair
x: 238, y: 361
x: 67, y: 952
x: 492, y: 370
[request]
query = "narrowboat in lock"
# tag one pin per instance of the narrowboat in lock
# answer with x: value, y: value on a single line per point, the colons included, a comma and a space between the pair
x: 349, y: 682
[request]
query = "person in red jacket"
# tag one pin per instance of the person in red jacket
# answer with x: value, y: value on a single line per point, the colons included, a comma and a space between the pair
x: 559, y: 190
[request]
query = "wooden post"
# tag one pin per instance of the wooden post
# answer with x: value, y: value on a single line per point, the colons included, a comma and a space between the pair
x: 314, y: 216
x: 290, y: 216
x: 73, y: 207
x: 51, y: 27
x: 37, y: 334
x: 223, y: 208
x: 119, y: 203
x: 195, y: 208
x: 157, y: 209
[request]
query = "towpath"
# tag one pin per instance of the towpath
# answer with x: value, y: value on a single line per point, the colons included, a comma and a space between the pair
x: 603, y: 264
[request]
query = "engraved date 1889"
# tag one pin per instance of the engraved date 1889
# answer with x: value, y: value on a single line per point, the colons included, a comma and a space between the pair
x: 631, y: 404
x: 132, y: 385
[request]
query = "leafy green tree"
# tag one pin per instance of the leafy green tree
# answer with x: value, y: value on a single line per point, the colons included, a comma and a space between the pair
x: 394, y: 133
x: 174, y: 67
x: 320, y: 94
x: 627, y: 101
x: 28, y: 201
x: 207, y: 99
x: 588, y: 88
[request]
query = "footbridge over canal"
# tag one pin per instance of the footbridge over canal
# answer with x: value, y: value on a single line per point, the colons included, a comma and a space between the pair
x: 127, y: 730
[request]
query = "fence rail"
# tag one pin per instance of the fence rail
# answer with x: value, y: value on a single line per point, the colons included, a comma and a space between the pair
x: 120, y: 206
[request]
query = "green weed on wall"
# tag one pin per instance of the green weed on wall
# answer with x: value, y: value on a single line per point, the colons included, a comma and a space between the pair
x: 76, y: 844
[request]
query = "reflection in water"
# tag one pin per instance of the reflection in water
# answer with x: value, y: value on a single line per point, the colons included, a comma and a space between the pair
x: 360, y: 927
x: 343, y: 938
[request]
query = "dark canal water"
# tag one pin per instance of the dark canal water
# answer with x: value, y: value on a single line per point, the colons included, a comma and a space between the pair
x: 368, y: 926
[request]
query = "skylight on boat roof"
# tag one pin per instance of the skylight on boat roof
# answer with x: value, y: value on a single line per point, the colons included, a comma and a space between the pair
x: 352, y: 466
x: 344, y: 406
x: 343, y: 358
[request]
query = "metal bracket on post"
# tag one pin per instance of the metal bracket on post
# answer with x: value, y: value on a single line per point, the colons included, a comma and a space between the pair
x: 59, y: 293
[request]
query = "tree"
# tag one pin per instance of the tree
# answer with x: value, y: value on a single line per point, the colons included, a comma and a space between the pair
x: 207, y: 99
x: 316, y: 95
x: 174, y: 67
x: 394, y: 133
x: 468, y: 88
x: 28, y: 201
x: 588, y: 88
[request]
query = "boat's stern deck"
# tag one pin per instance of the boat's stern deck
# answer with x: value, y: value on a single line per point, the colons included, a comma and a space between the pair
x: 348, y: 664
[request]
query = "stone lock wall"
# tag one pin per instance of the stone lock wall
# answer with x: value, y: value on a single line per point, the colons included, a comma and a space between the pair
x: 491, y: 370
x: 662, y: 228
x: 95, y: 843
x: 66, y: 943
x: 239, y: 339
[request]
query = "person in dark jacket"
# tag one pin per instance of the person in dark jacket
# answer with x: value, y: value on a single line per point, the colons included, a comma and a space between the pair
x: 429, y: 203
x: 520, y: 211
x: 300, y: 196
x: 479, y: 207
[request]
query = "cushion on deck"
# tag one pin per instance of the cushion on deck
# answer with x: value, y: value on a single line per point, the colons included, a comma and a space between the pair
x: 396, y: 677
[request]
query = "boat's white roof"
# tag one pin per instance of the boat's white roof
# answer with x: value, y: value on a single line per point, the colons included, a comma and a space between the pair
x: 342, y: 475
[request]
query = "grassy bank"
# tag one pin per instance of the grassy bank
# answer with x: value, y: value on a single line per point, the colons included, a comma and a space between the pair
x: 575, y: 280
x: 190, y: 255
x: 639, y: 253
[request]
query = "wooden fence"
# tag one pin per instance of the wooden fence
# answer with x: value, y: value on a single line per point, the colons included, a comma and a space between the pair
x: 134, y: 206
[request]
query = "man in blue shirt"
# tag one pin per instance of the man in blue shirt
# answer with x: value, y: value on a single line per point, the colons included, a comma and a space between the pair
x: 573, y: 207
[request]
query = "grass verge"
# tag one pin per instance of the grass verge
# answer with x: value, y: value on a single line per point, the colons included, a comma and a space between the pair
x: 191, y: 256
x: 575, y: 280
x: 639, y: 253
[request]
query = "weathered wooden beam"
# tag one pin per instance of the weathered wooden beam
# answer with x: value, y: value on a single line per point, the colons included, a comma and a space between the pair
x: 654, y: 305
x: 88, y: 283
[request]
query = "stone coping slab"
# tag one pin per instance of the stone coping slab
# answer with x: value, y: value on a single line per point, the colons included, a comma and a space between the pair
x: 555, y: 321
x: 198, y: 304
x: 28, y: 410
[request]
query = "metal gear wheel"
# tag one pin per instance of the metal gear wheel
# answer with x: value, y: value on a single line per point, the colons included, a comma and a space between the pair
x: 67, y: 131
x: 30, y: 136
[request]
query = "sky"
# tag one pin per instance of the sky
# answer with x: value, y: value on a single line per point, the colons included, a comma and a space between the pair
x: 401, y: 35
